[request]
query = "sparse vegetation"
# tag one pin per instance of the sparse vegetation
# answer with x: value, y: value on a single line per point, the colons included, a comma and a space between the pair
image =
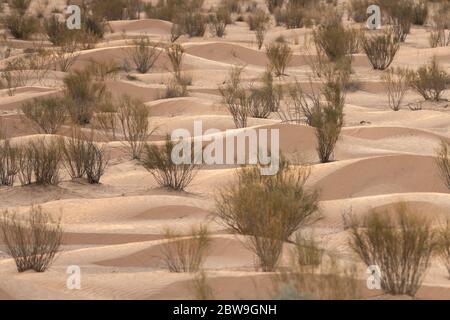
x: 33, y: 242
x: 185, y: 253
x: 400, y: 242
x: 267, y: 209
x: 48, y: 114
x: 9, y: 162
x: 219, y: 20
x: 430, y: 80
x: 444, y: 244
x: 167, y: 173
x: 381, y: 48
x: 443, y: 162
x: 236, y: 99
x: 82, y: 94
x: 396, y: 83
x: 134, y: 125
x: 279, y: 55
x: 144, y: 54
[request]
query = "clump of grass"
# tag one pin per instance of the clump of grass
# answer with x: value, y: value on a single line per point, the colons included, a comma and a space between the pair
x: 186, y: 253
x: 34, y: 242
x: 401, y: 242
x: 201, y: 288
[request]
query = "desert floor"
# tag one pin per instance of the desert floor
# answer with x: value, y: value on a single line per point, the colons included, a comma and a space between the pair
x: 114, y: 231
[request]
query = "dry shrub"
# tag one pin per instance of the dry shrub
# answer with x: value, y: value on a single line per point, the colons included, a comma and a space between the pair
x: 83, y: 157
x: 45, y: 160
x: 48, y: 114
x: 186, y: 253
x: 176, y: 87
x: 95, y: 162
x: 202, y: 290
x: 267, y: 209
x: 259, y: 23
x: 272, y: 5
x: 401, y: 14
x: 328, y: 117
x: 279, y: 55
x: 381, y: 48
x: 134, y: 125
x: 307, y: 251
x: 103, y: 70
x: 420, y: 12
x: 16, y: 73
x: 106, y: 120
x: 219, y: 20
x: 396, y: 83
x: 235, y: 97
x: 82, y: 94
x: 335, y: 40
x: 400, y: 242
x: 144, y: 54
x: 21, y: 27
x: 444, y: 245
x: 9, y: 163
x: 331, y: 279
x: 443, y: 162
x: 175, y: 52
x: 168, y: 174
x: 192, y: 23
x: 34, y: 242
x: 74, y: 151
x: 65, y: 55
x: 430, y: 80
x: 267, y: 98
x: 358, y: 10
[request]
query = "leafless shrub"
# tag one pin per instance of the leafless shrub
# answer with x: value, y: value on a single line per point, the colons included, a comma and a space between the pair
x: 193, y: 23
x: 267, y: 98
x: 420, y: 12
x: 358, y: 10
x: 219, y: 20
x: 48, y: 114
x: 9, y: 163
x: 46, y: 159
x: 279, y: 55
x: 74, y: 151
x: 443, y: 162
x: 106, y: 120
x: 95, y: 162
x: 175, y: 52
x: 133, y: 119
x: 381, y: 48
x: 21, y: 26
x: 396, y: 83
x: 307, y: 251
x: 236, y: 98
x: 259, y: 22
x: 267, y: 209
x: 144, y: 54
x: 430, y: 80
x: 176, y: 87
x: 399, y: 242
x: 66, y: 55
x: 176, y: 176
x: 186, y: 253
x: 34, y: 242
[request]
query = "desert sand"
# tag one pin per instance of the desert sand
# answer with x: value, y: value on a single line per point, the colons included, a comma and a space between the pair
x: 114, y: 230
